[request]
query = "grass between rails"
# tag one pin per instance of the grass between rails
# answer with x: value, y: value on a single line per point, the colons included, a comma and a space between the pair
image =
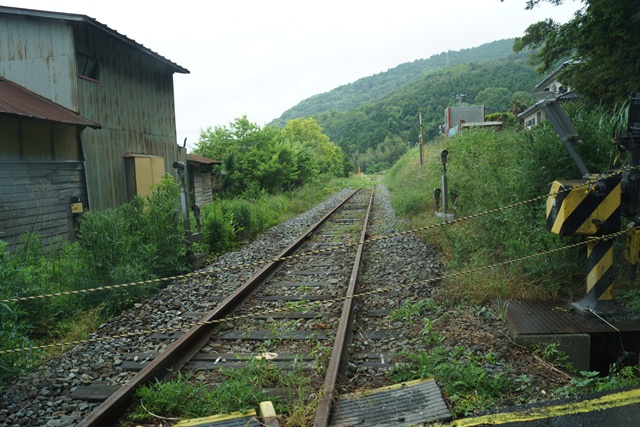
x: 237, y: 390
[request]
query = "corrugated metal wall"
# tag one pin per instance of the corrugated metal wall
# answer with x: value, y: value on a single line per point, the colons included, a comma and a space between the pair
x: 132, y: 101
x: 134, y: 104
x: 39, y: 55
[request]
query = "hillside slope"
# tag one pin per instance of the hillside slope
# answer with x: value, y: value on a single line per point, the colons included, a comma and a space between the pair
x: 396, y: 116
x: 383, y: 84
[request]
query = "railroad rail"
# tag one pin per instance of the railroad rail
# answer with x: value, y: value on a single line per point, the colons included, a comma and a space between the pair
x: 256, y: 291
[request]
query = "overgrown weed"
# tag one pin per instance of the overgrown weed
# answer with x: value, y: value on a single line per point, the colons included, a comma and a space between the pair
x: 237, y: 391
x: 489, y: 170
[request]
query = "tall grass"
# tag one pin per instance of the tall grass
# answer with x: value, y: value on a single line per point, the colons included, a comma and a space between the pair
x: 490, y: 169
x: 229, y: 223
x: 140, y: 240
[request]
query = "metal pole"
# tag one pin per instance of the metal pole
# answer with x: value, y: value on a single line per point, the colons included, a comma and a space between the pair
x: 445, y: 191
x: 599, y: 279
x: 421, y: 143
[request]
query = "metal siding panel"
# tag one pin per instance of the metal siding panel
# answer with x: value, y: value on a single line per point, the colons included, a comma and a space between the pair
x: 66, y: 143
x: 36, y: 139
x: 133, y: 102
x: 38, y: 54
x: 10, y: 144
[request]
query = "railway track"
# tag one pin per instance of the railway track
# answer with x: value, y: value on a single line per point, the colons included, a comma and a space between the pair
x: 299, y: 339
x: 292, y: 339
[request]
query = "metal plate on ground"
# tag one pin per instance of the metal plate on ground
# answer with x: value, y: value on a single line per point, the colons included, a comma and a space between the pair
x: 235, y: 419
x: 540, y: 317
x: 404, y: 404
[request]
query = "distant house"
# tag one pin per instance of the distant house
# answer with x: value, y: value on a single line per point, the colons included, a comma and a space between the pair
x: 122, y: 89
x: 458, y: 118
x: 549, y: 88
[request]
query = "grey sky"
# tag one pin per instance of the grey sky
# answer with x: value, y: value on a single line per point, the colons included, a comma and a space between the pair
x: 260, y: 58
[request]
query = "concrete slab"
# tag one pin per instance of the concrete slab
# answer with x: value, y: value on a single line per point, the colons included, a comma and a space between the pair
x: 577, y: 347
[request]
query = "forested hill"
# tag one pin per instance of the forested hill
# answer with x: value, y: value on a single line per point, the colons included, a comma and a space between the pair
x: 494, y: 84
x: 383, y: 84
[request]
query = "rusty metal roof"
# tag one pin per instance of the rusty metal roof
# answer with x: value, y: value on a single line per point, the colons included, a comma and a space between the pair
x: 203, y: 160
x: 72, y: 17
x: 19, y: 101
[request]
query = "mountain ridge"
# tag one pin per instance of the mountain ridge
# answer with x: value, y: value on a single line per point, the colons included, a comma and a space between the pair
x: 380, y: 85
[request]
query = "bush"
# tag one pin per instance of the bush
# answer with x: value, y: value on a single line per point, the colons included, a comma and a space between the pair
x: 229, y: 222
x: 13, y: 330
x: 140, y: 240
x: 490, y: 169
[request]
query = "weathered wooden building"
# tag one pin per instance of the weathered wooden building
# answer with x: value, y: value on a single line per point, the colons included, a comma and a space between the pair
x: 199, y: 172
x: 42, y: 185
x: 107, y: 79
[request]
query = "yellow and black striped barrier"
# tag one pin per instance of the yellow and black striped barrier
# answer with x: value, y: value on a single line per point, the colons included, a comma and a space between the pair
x: 594, y: 209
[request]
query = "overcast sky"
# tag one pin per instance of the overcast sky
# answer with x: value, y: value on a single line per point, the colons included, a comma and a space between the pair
x: 261, y: 57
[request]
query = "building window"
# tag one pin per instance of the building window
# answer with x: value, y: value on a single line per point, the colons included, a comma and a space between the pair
x: 87, y: 67
x: 530, y: 123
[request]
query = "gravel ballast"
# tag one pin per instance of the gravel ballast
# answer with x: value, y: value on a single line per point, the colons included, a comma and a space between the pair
x: 42, y: 397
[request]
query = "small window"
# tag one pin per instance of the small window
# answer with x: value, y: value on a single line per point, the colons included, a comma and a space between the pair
x: 87, y: 67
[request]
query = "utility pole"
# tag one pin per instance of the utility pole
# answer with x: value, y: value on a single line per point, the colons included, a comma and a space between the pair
x: 421, y: 144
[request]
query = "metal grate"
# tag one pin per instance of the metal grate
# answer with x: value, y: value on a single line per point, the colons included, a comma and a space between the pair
x: 534, y: 317
x: 235, y: 419
x: 400, y: 405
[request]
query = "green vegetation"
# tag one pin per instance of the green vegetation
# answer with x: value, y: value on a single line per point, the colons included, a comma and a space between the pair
x: 228, y: 223
x: 269, y: 159
x: 491, y: 169
x: 375, y: 119
x: 589, y: 382
x: 137, y: 241
x: 472, y: 388
x: 551, y: 353
x: 395, y: 118
x: 460, y: 373
x: 602, y: 36
x: 382, y: 85
x: 412, y: 310
x: 238, y: 390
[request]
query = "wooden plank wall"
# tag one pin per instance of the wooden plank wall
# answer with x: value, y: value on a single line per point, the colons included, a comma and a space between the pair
x: 202, y: 187
x: 36, y: 196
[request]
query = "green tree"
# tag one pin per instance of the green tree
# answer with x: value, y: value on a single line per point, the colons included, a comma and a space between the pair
x: 270, y: 159
x: 603, y: 39
x: 520, y: 101
x: 494, y: 98
x: 309, y: 136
